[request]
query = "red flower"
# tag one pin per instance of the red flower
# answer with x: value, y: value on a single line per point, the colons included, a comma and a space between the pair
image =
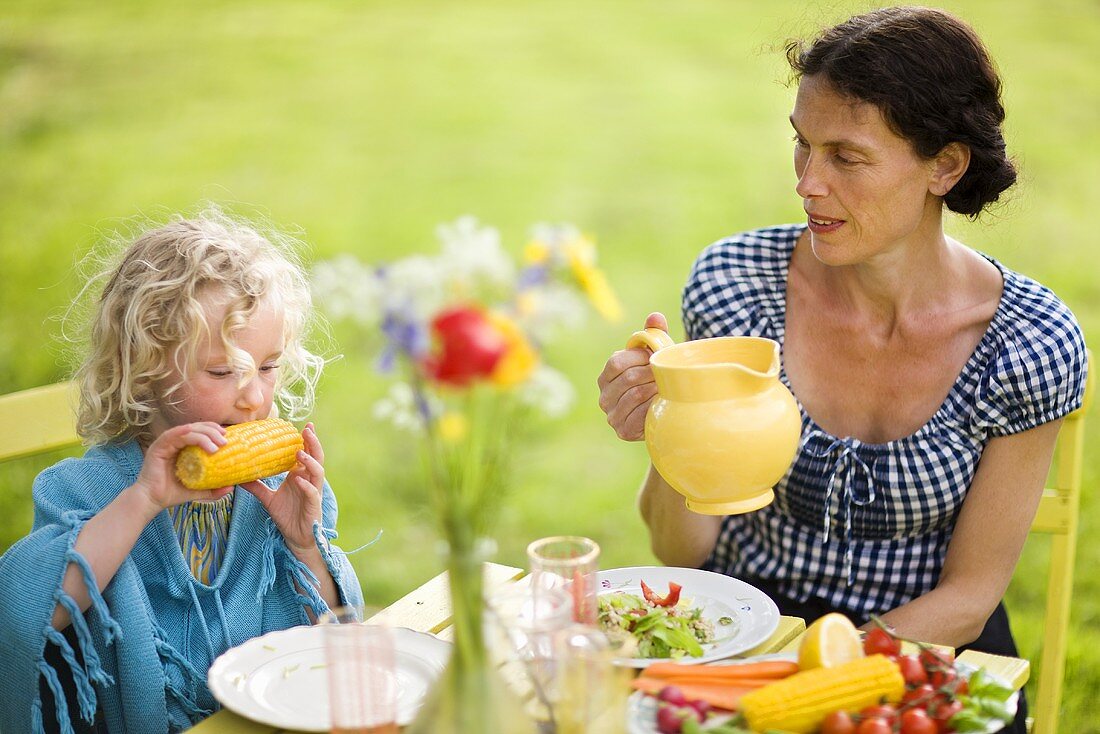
x: 467, y: 347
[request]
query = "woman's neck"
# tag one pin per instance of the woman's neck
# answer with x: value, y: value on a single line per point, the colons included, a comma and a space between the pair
x: 895, y: 287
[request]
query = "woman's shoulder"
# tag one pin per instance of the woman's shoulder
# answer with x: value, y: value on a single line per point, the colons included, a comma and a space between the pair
x: 1034, y: 321
x: 1038, y: 363
x: 756, y: 251
x: 738, y: 284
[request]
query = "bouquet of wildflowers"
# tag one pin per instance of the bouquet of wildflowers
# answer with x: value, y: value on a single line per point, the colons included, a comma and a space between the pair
x: 462, y: 334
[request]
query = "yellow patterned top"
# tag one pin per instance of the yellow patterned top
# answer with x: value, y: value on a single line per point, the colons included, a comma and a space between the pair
x: 203, y: 529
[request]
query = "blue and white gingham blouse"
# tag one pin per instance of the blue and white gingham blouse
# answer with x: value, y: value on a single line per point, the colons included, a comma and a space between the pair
x: 865, y: 527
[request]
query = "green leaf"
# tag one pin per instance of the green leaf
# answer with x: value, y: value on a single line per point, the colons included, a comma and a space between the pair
x: 982, y: 685
x: 995, y: 709
x: 968, y: 720
x: 678, y: 638
x: 691, y: 725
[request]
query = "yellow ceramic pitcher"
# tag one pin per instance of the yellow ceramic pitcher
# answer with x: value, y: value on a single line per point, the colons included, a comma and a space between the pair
x: 723, y: 429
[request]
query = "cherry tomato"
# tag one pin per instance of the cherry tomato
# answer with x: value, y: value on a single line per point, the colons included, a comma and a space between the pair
x: 943, y: 713
x: 873, y: 725
x: 917, y: 721
x: 882, y: 642
x: 943, y: 678
x: 922, y: 696
x: 936, y: 659
x: 962, y: 686
x: 883, y: 711
x: 838, y: 722
x: 912, y: 670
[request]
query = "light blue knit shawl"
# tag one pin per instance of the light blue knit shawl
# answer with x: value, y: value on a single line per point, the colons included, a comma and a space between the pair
x: 148, y: 640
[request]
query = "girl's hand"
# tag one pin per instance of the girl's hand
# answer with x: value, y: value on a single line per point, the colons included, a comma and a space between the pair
x: 627, y: 387
x: 157, y: 480
x: 296, y: 505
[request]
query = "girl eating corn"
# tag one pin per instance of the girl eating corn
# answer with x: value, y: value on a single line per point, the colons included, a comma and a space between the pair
x: 130, y: 584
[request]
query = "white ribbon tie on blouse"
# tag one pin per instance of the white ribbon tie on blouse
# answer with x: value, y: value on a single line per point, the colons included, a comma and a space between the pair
x: 845, y: 460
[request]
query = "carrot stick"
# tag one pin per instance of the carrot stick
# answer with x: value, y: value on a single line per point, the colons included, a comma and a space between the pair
x: 708, y: 680
x: 720, y: 696
x: 773, y: 669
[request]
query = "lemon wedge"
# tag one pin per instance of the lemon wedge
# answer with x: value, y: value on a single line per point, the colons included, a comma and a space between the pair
x: 830, y: 641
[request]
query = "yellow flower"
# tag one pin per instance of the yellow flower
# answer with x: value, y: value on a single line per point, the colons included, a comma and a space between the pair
x: 599, y: 292
x: 536, y: 252
x: 520, y: 359
x: 452, y: 426
x: 528, y: 303
x: 581, y: 254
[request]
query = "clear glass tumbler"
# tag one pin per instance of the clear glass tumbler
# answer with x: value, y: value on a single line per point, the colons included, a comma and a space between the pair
x: 568, y: 562
x: 362, y: 681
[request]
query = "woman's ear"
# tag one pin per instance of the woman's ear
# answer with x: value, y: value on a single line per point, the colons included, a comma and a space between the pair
x: 948, y: 167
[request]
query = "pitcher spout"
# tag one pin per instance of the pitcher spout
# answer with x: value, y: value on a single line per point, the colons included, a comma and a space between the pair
x: 716, y: 369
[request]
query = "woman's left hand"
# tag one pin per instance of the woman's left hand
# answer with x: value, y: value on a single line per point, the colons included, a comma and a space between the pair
x: 296, y: 505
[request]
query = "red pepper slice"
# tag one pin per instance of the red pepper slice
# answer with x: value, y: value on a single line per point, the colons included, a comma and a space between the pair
x: 662, y: 601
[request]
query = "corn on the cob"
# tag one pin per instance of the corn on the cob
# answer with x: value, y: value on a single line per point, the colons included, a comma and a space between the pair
x: 801, y: 702
x: 253, y: 450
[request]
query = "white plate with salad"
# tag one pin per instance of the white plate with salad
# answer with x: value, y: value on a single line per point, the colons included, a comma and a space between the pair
x: 662, y: 613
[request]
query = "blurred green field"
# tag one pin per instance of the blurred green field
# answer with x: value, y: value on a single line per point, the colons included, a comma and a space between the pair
x: 656, y: 127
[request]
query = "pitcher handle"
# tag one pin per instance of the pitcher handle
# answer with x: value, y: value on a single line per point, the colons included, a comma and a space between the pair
x: 652, y: 339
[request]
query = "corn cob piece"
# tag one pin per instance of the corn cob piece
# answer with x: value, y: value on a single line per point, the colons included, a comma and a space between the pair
x: 801, y: 702
x: 254, y: 450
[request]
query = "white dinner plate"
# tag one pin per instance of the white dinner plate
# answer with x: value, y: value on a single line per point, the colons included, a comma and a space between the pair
x: 754, y: 615
x: 641, y: 710
x: 280, y: 679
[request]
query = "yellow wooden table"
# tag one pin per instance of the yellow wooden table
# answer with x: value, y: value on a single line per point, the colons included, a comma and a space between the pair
x: 428, y: 609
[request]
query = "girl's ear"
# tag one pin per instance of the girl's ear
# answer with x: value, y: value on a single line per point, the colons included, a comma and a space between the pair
x: 948, y: 167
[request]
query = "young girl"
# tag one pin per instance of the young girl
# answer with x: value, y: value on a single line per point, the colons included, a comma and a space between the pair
x: 130, y: 585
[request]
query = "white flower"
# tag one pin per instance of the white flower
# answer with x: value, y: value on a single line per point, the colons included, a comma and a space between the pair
x: 472, y: 256
x: 549, y: 391
x: 413, y: 286
x: 348, y: 289
x: 557, y: 238
x: 551, y: 309
x: 399, y: 408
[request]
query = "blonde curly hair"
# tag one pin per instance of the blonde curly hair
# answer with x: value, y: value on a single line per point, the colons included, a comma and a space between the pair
x: 148, y: 323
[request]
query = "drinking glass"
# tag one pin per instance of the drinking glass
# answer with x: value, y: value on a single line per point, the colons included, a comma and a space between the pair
x: 521, y: 631
x: 591, y: 691
x: 362, y: 682
x: 567, y: 562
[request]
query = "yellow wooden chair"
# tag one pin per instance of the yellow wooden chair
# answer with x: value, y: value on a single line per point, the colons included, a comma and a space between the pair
x: 37, y: 420
x: 1057, y: 516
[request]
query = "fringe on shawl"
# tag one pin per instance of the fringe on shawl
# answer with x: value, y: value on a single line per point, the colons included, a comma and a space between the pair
x: 92, y: 669
x: 301, y: 577
x: 267, y: 571
x: 193, y: 713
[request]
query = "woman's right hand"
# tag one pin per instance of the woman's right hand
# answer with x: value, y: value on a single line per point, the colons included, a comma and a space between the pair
x: 627, y: 387
x: 157, y: 481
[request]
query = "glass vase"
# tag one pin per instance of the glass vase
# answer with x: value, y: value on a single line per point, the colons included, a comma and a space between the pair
x: 470, y: 695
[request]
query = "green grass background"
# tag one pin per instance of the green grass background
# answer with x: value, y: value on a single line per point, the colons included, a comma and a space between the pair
x: 655, y: 126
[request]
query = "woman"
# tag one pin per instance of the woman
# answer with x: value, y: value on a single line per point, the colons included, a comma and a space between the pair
x: 932, y: 380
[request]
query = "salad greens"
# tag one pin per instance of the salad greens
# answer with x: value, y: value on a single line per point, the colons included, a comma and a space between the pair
x: 658, y: 631
x: 985, y: 703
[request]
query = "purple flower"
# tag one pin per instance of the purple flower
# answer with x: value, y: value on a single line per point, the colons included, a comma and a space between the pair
x: 404, y: 336
x: 532, y: 276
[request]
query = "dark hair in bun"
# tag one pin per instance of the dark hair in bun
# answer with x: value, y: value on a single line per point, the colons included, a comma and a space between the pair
x: 933, y: 80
